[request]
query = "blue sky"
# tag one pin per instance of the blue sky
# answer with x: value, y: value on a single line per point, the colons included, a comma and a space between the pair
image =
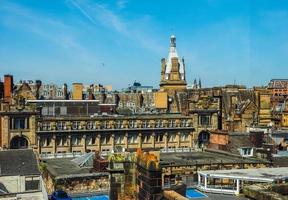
x: 119, y: 41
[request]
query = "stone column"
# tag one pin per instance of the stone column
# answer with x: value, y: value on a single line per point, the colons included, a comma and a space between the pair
x: 112, y: 141
x: 191, y: 139
x: 199, y: 179
x: 84, y: 143
x: 32, y: 128
x: 139, y: 140
x: 166, y: 140
x: 98, y: 143
x: 69, y: 143
x: 6, y: 137
x: 126, y: 140
x: 153, y: 140
x: 54, y: 145
x: 26, y: 123
x: 178, y: 140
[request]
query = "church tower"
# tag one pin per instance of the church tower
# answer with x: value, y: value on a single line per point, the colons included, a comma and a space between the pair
x: 172, y: 70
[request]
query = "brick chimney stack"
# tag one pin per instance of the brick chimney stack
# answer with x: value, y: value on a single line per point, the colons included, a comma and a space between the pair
x: 8, y: 87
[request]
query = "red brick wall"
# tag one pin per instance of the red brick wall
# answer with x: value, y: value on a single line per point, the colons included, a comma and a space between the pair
x: 8, y: 85
x: 218, y: 138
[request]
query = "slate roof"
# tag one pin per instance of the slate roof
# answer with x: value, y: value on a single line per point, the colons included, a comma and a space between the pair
x: 61, y: 168
x: 238, y: 140
x: 18, y: 162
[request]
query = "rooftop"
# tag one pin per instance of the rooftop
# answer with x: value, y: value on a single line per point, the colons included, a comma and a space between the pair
x: 261, y: 174
x: 202, y: 158
x: 18, y: 162
x: 65, y: 168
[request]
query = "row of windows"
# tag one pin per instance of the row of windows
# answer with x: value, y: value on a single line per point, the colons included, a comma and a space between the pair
x: 76, y: 125
x: 119, y: 139
x: 47, y: 93
x: 16, y: 123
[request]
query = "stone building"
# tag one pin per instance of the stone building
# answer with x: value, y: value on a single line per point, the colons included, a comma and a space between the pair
x: 173, y: 70
x: 20, y: 177
x: 239, y: 108
x: 278, y: 87
x: 18, y: 121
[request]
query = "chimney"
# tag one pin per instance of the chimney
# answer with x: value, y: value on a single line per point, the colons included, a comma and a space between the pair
x: 8, y: 87
x: 38, y: 85
x: 1, y: 90
x: 65, y: 90
x: 77, y: 93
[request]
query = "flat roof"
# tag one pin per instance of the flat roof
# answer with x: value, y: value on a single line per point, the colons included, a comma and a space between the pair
x: 260, y: 174
x: 60, y: 100
x: 61, y: 168
x: 203, y: 158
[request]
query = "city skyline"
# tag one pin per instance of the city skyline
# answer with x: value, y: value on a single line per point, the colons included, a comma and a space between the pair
x: 119, y: 42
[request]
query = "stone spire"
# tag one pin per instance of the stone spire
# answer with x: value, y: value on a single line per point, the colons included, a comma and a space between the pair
x: 173, y: 69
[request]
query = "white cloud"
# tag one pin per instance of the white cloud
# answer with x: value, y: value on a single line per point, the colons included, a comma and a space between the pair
x: 52, y: 30
x: 132, y: 29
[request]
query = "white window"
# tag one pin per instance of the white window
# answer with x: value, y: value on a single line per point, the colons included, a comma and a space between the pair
x: 105, y: 139
x: 159, y: 137
x: 90, y: 125
x: 145, y: 138
x: 60, y: 125
x: 61, y: 140
x: 45, y: 141
x: 90, y: 140
x: 76, y: 140
x: 184, y: 136
x: 75, y: 125
x: 119, y: 124
x: 247, y: 151
x: 46, y: 126
x: 171, y: 137
x: 119, y: 139
x: 131, y: 124
x: 132, y: 138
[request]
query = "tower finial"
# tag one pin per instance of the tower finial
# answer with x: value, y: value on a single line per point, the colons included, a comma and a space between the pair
x: 172, y: 41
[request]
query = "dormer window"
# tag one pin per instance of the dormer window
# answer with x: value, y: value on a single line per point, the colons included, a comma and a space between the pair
x: 246, y: 151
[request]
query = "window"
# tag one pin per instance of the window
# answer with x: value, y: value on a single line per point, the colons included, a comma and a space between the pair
x: 90, y: 140
x: 170, y: 123
x: 158, y: 124
x: 63, y: 110
x: 105, y: 139
x: 204, y: 120
x: 119, y: 139
x: 19, y: 123
x: 76, y: 140
x: 171, y: 137
x: 32, y: 183
x: 246, y: 151
x: 132, y: 138
x: 159, y: 137
x: 90, y: 125
x: 61, y: 140
x: 59, y: 93
x: 60, y: 125
x: 131, y: 124
x: 46, y: 126
x: 119, y: 124
x: 76, y: 125
x: 45, y: 141
x: 184, y: 136
x: 145, y: 138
